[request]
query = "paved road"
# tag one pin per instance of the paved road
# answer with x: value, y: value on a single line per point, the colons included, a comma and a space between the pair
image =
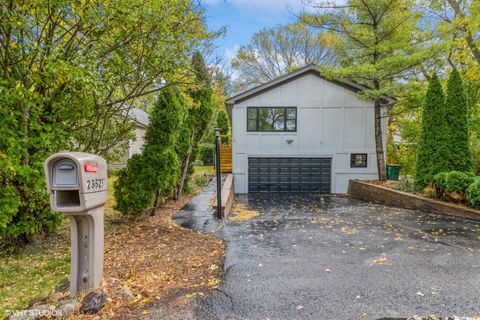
x: 333, y: 257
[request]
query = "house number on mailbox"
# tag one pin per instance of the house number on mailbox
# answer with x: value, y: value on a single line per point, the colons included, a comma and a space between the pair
x: 95, y: 184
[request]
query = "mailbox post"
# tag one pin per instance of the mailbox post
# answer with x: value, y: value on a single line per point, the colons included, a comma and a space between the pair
x: 77, y: 184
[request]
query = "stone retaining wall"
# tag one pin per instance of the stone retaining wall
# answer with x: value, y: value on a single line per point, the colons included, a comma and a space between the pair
x: 227, y: 195
x: 382, y: 195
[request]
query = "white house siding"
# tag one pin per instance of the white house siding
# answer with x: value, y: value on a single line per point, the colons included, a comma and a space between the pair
x: 331, y: 122
x: 136, y: 146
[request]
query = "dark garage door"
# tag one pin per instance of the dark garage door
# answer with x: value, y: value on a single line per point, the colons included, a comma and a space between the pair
x: 289, y: 175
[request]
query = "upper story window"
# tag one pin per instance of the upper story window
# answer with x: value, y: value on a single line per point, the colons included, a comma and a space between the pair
x: 272, y: 119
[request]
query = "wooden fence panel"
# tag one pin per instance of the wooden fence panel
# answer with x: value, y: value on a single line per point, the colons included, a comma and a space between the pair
x: 226, y: 159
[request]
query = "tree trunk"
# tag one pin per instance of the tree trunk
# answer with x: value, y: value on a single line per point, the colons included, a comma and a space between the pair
x: 185, y: 166
x: 183, y: 177
x: 379, y: 141
x: 156, y: 204
x: 24, y: 130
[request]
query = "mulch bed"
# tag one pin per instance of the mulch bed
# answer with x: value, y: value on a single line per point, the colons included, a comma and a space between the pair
x: 392, y: 184
x: 428, y: 192
x: 156, y: 258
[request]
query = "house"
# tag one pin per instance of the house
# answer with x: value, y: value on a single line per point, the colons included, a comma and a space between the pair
x: 141, y: 121
x: 302, y: 133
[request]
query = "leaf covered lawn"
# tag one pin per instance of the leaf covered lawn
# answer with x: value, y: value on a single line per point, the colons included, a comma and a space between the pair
x: 153, y: 257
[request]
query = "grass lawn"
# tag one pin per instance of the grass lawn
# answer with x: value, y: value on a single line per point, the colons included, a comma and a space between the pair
x: 32, y: 272
x: 37, y: 268
x: 204, y: 169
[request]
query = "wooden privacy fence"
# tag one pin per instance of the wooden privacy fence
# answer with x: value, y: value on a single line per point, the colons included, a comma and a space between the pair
x: 226, y: 159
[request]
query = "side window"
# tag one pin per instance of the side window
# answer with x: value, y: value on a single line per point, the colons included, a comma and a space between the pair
x: 358, y: 160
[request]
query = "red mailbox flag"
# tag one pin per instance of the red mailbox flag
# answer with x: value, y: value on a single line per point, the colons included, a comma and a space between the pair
x: 90, y: 167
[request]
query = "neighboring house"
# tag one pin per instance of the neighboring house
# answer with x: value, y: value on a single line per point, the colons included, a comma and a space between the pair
x: 141, y: 120
x: 302, y: 133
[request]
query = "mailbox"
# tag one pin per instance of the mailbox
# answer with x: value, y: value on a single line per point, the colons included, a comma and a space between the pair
x: 76, y: 181
x: 77, y: 185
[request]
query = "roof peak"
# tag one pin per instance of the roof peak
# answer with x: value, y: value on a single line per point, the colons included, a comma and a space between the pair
x: 309, y: 68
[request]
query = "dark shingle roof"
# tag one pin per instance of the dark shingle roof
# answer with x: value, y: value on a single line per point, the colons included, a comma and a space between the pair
x: 139, y: 116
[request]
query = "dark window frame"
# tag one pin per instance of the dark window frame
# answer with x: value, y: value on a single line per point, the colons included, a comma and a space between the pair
x: 285, y: 119
x: 352, y: 160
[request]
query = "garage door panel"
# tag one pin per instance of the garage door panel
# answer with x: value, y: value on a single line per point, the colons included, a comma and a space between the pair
x: 294, y: 187
x: 316, y: 179
x: 275, y: 170
x: 275, y: 179
x: 305, y: 179
x: 284, y: 179
x: 295, y: 179
x: 305, y: 170
x: 293, y: 170
x: 289, y: 175
x: 316, y: 170
x: 292, y: 161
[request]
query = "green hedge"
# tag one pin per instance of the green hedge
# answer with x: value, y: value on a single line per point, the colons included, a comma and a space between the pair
x: 472, y: 195
x: 206, y: 153
x: 463, y: 183
x: 440, y: 184
x: 134, y: 188
x: 457, y: 181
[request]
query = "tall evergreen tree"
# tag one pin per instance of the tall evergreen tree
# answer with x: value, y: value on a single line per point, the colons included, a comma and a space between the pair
x: 456, y: 112
x: 161, y: 139
x: 222, y: 122
x: 432, y: 147
x: 198, y: 118
x: 152, y: 175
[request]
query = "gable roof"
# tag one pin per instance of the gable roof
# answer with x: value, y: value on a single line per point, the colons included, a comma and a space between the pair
x: 309, y: 69
x: 139, y: 116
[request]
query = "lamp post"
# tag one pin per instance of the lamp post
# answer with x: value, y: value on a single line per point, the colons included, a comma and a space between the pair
x: 219, y: 178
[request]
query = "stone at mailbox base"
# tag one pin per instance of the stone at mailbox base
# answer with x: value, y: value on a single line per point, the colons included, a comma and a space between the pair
x: 77, y: 184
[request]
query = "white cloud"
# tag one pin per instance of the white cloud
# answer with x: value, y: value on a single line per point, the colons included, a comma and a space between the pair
x: 270, y: 5
x: 211, y: 2
x: 230, y: 53
x: 276, y: 5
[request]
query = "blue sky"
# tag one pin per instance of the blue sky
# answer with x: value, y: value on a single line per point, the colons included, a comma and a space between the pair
x: 245, y: 17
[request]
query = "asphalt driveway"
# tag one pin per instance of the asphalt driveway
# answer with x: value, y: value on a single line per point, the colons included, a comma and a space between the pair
x: 334, y: 257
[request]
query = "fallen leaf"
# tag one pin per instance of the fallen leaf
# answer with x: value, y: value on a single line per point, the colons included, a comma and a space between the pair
x: 380, y: 261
